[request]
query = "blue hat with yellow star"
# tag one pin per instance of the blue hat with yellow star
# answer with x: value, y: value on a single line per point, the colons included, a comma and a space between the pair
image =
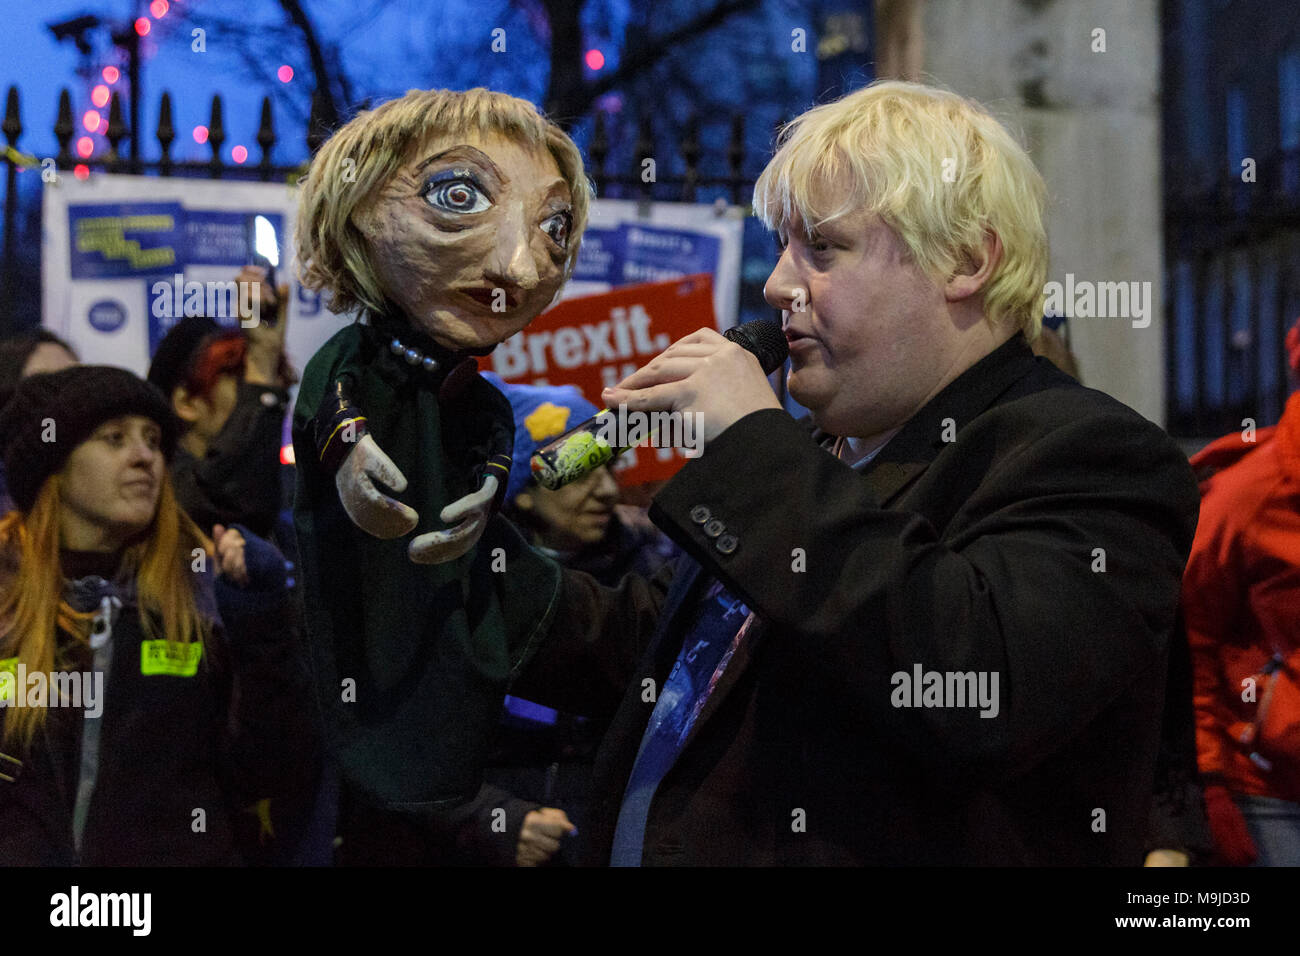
x: 542, y: 412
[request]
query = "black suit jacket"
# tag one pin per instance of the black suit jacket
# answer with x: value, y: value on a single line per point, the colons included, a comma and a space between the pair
x: 1019, y: 525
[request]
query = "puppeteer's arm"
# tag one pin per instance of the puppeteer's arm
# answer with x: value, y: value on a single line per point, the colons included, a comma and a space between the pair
x: 597, y: 637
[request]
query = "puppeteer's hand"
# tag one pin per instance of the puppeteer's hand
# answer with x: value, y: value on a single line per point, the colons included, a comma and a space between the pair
x: 435, y: 547
x: 539, y: 837
x: 703, y: 373
x: 369, y: 508
x: 1167, y: 858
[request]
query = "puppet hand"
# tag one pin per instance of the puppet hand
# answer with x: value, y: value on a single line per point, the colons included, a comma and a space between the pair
x: 439, y: 546
x: 369, y: 508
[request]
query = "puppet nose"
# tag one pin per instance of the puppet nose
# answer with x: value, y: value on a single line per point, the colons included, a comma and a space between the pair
x: 513, y: 264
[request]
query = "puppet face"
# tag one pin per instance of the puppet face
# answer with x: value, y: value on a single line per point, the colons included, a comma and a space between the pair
x: 470, y: 238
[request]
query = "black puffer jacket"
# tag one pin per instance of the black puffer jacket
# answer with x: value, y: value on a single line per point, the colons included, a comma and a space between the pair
x: 180, y: 746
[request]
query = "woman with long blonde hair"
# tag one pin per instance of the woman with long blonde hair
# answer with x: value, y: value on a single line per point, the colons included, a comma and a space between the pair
x: 117, y: 741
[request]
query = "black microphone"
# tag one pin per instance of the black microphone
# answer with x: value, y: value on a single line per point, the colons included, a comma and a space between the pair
x: 583, y: 449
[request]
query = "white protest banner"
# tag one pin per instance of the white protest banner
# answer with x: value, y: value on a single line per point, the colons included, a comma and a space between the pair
x: 126, y: 257
x: 631, y: 243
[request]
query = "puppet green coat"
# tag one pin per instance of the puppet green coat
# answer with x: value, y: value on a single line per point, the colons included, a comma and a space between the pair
x: 411, y: 660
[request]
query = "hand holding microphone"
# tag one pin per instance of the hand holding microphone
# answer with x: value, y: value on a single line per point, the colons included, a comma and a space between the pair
x: 722, y: 377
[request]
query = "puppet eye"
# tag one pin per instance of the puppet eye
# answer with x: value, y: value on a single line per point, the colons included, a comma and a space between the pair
x: 456, y: 191
x: 557, y: 227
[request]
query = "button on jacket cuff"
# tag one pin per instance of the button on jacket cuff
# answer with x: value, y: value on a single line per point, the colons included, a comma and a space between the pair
x: 717, y: 502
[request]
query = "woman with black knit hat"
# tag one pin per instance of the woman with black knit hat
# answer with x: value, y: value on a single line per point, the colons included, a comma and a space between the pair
x: 117, y: 741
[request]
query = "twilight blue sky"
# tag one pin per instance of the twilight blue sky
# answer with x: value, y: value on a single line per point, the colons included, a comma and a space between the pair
x: 388, y: 46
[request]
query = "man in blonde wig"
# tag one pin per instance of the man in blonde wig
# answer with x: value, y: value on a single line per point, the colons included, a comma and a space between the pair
x: 935, y: 631
x: 448, y: 221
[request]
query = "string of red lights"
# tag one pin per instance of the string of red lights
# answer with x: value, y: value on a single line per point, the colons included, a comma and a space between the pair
x: 95, y: 123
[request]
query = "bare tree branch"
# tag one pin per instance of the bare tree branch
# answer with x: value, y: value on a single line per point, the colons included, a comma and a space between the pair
x: 569, y: 97
x: 329, y: 110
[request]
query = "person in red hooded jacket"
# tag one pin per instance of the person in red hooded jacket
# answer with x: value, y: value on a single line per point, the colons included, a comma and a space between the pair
x: 1241, y: 595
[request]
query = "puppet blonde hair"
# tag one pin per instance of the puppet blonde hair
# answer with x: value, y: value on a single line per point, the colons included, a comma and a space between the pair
x: 361, y: 157
x: 937, y: 168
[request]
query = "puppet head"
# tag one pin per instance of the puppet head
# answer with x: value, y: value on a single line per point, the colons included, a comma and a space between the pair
x: 462, y: 211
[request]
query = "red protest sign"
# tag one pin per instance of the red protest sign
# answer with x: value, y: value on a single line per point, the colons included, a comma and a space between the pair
x: 598, y: 340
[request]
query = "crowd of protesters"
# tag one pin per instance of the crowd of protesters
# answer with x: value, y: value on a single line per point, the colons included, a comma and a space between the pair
x: 145, y: 551
x: 210, y: 465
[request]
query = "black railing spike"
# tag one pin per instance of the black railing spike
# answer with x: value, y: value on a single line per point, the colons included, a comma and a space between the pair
x: 13, y: 124
x: 216, y: 121
x: 63, y: 130
x: 216, y: 136
x: 117, y: 131
x: 166, y: 133
x: 116, y: 124
x: 266, y: 137
x: 317, y: 132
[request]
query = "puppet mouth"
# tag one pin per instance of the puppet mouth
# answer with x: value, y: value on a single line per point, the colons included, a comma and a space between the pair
x: 494, y: 298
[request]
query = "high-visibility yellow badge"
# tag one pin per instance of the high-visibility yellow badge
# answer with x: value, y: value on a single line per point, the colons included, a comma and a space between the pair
x: 170, y: 657
x: 8, y: 678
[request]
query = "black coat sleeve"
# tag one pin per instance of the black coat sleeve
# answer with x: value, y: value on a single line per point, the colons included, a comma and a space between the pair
x: 485, y: 831
x: 597, y: 637
x: 1177, y: 820
x: 273, y: 727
